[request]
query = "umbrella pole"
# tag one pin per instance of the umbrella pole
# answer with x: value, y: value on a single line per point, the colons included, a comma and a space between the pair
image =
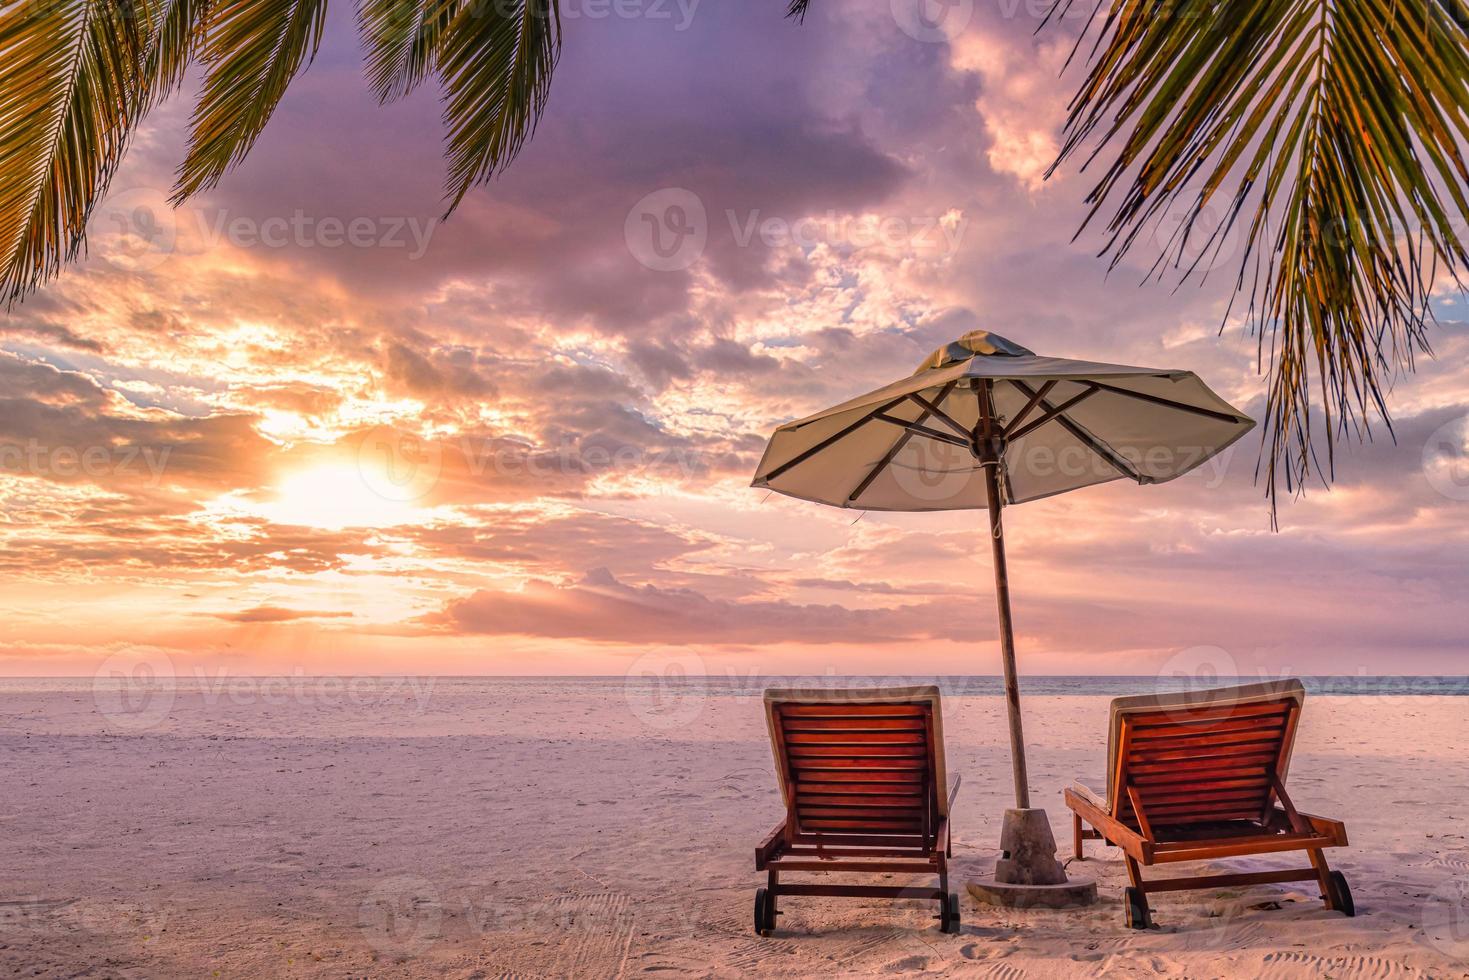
x: 1027, y: 874
x: 1007, y: 635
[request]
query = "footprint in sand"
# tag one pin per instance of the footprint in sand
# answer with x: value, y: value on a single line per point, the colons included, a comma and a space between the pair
x: 1287, y: 965
x: 908, y: 964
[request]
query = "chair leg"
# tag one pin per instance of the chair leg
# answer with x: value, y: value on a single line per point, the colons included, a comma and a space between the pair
x: 1078, y: 835
x: 1140, y: 917
x: 1323, y: 875
x: 771, y: 882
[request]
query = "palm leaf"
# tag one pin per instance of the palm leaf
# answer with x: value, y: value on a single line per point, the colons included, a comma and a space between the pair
x: 798, y: 9
x: 402, y: 39
x: 178, y: 29
x: 72, y: 87
x: 253, y: 49
x: 1334, y: 129
x: 495, y: 62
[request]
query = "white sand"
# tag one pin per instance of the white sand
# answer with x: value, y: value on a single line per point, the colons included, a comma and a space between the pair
x: 516, y: 830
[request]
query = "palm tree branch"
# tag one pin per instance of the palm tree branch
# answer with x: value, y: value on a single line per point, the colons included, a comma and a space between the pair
x: 253, y: 49
x: 177, y: 31
x: 402, y: 38
x: 72, y: 88
x: 495, y: 63
x: 1344, y: 123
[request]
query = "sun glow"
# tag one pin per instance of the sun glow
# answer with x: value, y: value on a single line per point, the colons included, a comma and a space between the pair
x: 337, y: 495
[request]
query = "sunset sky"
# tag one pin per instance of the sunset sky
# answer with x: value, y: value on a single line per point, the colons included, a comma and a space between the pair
x: 300, y: 424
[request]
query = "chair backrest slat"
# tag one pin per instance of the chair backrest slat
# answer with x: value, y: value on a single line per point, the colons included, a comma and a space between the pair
x: 859, y: 770
x: 1191, y: 764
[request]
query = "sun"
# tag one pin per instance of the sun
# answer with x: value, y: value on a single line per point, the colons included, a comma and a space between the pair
x: 337, y: 495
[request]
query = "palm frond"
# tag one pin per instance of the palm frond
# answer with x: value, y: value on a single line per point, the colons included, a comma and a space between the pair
x: 495, y: 61
x: 1336, y: 126
x: 253, y: 49
x: 798, y: 9
x: 177, y: 30
x: 402, y: 38
x: 72, y: 87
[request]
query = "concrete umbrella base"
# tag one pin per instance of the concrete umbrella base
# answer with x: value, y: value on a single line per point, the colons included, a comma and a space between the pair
x: 1028, y: 875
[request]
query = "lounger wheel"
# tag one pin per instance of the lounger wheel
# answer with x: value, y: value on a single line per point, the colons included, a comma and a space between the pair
x: 949, y: 914
x: 1138, y: 915
x: 1341, y: 894
x: 764, y: 912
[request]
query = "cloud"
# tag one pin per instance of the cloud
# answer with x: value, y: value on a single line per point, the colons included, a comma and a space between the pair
x: 278, y: 614
x: 603, y: 608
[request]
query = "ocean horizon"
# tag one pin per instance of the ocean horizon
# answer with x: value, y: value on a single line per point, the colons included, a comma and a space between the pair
x: 754, y: 685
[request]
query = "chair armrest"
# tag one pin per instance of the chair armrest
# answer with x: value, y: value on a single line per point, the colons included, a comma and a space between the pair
x: 770, y: 846
x: 1114, y: 830
x: 1328, y: 827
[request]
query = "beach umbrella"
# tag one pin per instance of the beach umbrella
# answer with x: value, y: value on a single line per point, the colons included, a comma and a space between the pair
x: 983, y: 423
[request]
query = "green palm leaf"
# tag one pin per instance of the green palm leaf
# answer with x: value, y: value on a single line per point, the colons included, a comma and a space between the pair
x: 495, y: 62
x: 73, y: 82
x: 178, y: 28
x: 1335, y: 128
x: 402, y: 39
x: 253, y: 49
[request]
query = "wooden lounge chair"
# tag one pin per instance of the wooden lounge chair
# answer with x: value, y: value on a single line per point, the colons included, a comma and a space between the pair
x: 862, y: 777
x: 1194, y: 777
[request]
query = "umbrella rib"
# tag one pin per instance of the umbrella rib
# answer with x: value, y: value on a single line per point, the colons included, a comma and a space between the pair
x: 807, y: 454
x: 897, y: 446
x: 922, y: 430
x: 1053, y: 413
x: 932, y: 408
x: 1169, y: 403
x: 1086, y: 438
x: 1029, y: 406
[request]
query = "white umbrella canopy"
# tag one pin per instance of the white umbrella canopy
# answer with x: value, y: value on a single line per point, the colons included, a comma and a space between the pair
x: 985, y: 421
x: 919, y: 443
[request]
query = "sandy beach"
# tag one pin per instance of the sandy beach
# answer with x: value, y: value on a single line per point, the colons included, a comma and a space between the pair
x: 548, y: 829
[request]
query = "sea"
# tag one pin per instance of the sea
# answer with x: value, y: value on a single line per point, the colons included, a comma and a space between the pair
x: 754, y: 685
